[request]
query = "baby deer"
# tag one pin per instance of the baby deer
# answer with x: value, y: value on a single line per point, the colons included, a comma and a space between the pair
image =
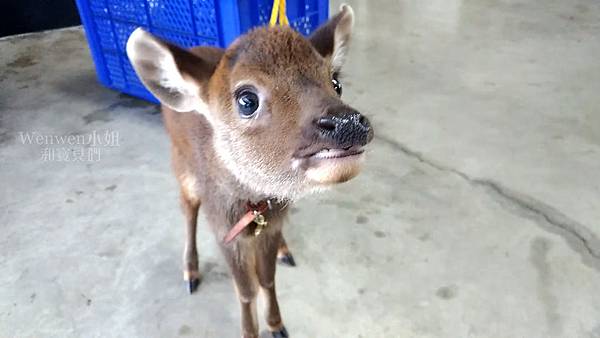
x: 253, y: 128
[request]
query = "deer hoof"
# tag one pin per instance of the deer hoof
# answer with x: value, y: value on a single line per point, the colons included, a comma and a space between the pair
x: 281, y: 333
x: 192, y: 285
x: 287, y: 259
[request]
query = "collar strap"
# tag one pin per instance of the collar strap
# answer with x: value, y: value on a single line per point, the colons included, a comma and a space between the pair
x: 253, y: 211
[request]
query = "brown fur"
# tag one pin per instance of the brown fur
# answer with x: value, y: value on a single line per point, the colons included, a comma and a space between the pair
x: 223, y: 161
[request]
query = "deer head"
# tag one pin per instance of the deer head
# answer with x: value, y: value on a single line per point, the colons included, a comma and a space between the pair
x: 272, y: 99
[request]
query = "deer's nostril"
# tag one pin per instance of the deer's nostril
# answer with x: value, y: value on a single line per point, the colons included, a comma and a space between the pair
x: 326, y: 124
x: 364, y: 122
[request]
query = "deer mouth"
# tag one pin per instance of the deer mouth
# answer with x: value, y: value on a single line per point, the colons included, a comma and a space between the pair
x: 329, y: 153
x: 326, y: 165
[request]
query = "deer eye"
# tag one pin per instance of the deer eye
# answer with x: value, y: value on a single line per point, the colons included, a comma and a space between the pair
x: 337, y: 85
x: 247, y: 102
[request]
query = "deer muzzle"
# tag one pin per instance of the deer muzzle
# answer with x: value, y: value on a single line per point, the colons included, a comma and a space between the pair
x: 345, y: 129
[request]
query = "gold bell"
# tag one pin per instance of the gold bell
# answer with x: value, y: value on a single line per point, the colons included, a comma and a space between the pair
x: 260, y: 221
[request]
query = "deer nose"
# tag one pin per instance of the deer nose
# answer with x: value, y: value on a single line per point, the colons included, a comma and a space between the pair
x: 346, y: 129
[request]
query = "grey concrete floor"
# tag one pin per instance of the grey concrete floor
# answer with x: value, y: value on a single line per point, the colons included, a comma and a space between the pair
x: 476, y: 216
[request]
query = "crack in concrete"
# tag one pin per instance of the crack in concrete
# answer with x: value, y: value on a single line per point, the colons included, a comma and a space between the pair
x: 554, y: 218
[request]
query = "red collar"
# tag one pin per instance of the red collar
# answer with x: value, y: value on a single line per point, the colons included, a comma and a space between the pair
x: 254, y: 213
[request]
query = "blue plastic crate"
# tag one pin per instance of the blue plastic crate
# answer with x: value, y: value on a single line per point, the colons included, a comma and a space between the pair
x: 188, y: 23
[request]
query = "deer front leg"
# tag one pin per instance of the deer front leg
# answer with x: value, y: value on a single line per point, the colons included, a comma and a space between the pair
x: 191, y: 273
x: 266, y: 259
x: 284, y: 255
x: 241, y: 262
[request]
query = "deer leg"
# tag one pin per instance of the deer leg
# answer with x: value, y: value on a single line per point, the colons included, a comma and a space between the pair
x: 191, y: 273
x: 241, y: 262
x: 284, y: 256
x: 266, y: 259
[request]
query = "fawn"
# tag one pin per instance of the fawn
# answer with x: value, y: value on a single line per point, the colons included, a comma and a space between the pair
x: 253, y: 128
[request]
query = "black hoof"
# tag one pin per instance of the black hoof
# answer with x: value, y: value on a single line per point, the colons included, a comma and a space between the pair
x: 281, y: 333
x: 287, y: 259
x: 192, y: 285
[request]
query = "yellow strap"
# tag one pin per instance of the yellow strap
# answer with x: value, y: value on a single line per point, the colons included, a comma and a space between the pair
x: 283, y: 20
x: 278, y: 12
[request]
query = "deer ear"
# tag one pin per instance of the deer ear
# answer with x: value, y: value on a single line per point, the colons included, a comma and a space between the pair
x: 332, y: 38
x: 174, y: 75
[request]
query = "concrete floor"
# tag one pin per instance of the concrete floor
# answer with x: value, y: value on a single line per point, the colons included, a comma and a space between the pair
x: 477, y: 214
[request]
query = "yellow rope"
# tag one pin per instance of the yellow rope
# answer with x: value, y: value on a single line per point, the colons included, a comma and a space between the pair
x: 278, y: 12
